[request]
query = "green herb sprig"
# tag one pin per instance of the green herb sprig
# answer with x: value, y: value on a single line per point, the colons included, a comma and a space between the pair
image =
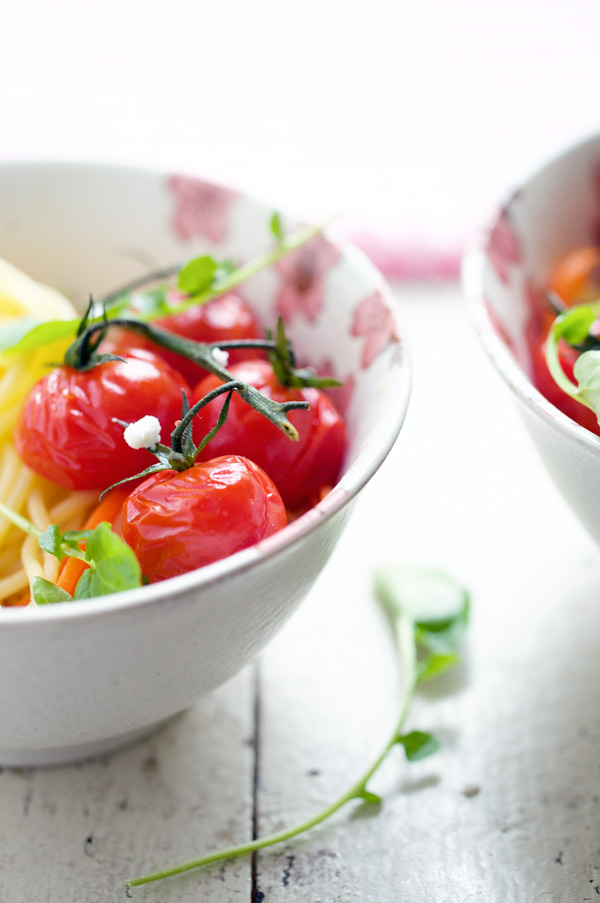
x: 201, y: 280
x: 428, y: 612
x: 574, y: 327
x: 113, y: 566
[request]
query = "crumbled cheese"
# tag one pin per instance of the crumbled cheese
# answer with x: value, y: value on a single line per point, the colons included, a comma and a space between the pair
x: 220, y: 356
x: 144, y: 433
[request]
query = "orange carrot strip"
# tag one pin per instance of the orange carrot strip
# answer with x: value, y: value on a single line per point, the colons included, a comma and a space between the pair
x: 108, y: 510
x: 19, y: 600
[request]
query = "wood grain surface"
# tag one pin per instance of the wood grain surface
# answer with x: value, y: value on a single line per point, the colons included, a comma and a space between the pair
x: 507, y: 812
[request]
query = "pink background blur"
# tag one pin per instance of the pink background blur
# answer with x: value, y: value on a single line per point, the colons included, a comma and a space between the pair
x: 411, y: 119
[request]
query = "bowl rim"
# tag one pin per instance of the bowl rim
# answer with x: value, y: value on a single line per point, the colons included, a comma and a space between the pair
x: 473, y: 266
x: 367, y: 461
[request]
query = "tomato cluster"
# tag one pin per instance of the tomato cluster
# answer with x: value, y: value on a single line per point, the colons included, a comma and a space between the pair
x: 301, y: 469
x: 71, y: 432
x: 575, y: 279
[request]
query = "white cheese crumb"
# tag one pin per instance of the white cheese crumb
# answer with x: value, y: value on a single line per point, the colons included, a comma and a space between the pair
x: 220, y: 356
x: 144, y: 433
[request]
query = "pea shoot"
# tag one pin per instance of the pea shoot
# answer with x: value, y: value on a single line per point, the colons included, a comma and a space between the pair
x: 111, y: 565
x: 428, y: 613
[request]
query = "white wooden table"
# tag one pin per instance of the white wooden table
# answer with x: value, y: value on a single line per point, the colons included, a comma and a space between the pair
x: 508, y: 810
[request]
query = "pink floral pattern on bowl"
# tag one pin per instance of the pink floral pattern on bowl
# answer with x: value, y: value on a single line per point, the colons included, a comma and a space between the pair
x: 374, y: 321
x: 595, y: 227
x: 340, y: 395
x: 503, y: 246
x: 302, y: 291
x: 201, y: 208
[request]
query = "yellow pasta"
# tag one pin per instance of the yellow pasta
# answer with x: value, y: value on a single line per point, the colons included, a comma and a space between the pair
x: 42, y: 503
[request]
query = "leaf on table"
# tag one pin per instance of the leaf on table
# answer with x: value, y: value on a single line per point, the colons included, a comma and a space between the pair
x: 418, y: 745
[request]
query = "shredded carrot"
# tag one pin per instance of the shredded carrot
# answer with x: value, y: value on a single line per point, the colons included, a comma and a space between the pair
x: 108, y: 510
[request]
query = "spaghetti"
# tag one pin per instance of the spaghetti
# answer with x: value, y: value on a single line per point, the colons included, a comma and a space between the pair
x: 20, y: 489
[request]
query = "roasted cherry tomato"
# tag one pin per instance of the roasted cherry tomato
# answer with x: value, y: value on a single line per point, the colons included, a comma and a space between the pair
x: 224, y: 318
x: 545, y: 383
x: 66, y: 431
x: 298, y: 469
x: 576, y: 276
x: 177, y: 522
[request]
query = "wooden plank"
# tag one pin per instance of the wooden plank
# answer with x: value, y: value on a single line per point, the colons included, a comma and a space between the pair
x: 509, y: 810
x: 506, y: 812
x: 77, y: 833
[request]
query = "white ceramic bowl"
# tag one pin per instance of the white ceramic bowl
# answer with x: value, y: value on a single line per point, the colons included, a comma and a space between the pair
x: 554, y: 211
x: 86, y: 677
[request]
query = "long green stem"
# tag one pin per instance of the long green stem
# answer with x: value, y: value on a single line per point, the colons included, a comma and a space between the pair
x: 404, y: 628
x: 291, y: 243
x: 19, y: 521
x: 27, y: 527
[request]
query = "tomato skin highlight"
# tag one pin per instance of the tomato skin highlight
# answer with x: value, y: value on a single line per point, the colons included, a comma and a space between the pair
x: 66, y: 431
x: 298, y: 469
x: 177, y: 522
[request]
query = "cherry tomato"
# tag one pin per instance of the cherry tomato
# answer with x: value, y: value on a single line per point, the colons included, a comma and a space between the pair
x: 298, y: 469
x: 224, y: 318
x: 66, y: 431
x: 177, y: 522
x: 576, y: 276
x: 545, y: 383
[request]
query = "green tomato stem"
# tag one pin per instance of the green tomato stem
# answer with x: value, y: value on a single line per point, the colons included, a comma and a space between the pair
x: 404, y: 629
x: 81, y: 352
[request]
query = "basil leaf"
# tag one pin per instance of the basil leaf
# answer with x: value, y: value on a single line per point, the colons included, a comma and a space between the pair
x: 62, y: 544
x: 51, y: 541
x: 82, y: 590
x: 27, y: 334
x: 114, y: 566
x: 276, y: 227
x: 574, y: 325
x: 197, y: 275
x: 47, y: 593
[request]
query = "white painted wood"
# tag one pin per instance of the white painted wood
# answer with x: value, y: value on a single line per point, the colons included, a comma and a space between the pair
x: 509, y: 810
x: 77, y: 833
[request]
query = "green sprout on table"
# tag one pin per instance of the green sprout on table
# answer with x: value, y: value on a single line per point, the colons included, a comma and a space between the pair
x: 428, y: 612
